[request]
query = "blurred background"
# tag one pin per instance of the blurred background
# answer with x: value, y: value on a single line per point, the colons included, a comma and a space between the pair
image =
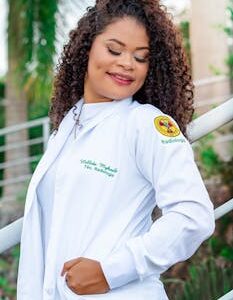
x: 32, y: 35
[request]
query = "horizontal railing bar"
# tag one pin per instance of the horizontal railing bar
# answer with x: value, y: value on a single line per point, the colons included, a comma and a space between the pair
x: 10, y: 235
x: 18, y: 162
x: 223, y: 209
x: 213, y: 101
x: 210, y: 80
x: 228, y: 296
x: 208, y: 122
x: 15, y: 180
x: 13, y: 128
x: 21, y: 144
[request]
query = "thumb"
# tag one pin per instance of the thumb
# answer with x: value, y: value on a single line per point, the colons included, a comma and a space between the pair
x: 69, y: 264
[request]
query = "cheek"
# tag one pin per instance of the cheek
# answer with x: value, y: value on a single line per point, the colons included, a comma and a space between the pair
x: 99, y: 61
x: 94, y: 63
x: 143, y: 73
x: 97, y: 68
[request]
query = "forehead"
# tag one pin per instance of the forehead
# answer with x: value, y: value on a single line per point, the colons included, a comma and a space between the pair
x: 127, y: 30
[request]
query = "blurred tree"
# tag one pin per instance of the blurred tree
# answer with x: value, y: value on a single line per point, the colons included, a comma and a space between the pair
x: 31, y: 50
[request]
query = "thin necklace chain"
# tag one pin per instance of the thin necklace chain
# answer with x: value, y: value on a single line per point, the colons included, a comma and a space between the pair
x: 77, y: 124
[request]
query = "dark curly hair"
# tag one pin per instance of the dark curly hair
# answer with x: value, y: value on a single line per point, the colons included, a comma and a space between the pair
x: 168, y: 84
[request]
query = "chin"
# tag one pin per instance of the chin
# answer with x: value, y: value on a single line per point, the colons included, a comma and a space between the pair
x: 117, y: 96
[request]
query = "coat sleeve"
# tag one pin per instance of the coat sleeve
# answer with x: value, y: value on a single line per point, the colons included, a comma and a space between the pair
x: 165, y: 158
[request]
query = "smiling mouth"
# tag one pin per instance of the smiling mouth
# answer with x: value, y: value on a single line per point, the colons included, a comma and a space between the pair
x: 120, y: 80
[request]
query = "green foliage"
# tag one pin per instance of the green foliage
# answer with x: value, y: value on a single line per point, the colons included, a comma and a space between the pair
x: 2, y: 90
x: 207, y: 281
x: 220, y: 245
x: 229, y: 62
x: 210, y: 163
x: 36, y: 110
x: 215, y: 70
x: 227, y: 174
x: 8, y: 270
x: 210, y: 160
x: 31, y: 43
x: 184, y: 28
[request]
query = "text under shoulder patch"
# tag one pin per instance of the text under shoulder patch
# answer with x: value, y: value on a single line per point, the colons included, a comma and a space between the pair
x: 166, y: 126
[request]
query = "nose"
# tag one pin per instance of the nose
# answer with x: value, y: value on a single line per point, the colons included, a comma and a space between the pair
x: 126, y: 61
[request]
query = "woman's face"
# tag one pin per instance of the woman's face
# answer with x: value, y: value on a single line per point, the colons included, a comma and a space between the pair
x: 118, y: 62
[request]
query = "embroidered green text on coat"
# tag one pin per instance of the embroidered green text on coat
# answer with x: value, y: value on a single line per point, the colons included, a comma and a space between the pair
x: 93, y: 165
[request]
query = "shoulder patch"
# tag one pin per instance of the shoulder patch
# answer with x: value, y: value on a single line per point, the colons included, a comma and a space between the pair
x: 166, y: 126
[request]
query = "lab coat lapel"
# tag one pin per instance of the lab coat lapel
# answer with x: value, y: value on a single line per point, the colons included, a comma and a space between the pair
x: 55, y: 145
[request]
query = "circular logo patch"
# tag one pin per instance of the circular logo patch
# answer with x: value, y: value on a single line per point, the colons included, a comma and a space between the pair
x: 166, y: 126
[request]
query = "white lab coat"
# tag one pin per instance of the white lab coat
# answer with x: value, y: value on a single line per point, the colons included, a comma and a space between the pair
x: 104, y: 196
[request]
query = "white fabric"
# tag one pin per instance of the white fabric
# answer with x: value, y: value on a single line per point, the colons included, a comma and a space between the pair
x: 45, y: 189
x: 119, y: 168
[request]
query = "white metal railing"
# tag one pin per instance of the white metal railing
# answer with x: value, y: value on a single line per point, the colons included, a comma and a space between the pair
x: 210, y: 80
x: 14, y: 180
x: 21, y: 144
x: 211, y: 120
x: 228, y: 296
x: 213, y: 101
x: 10, y: 234
x: 44, y: 122
x: 223, y: 209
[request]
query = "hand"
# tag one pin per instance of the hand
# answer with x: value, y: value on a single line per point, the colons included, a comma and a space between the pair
x: 85, y: 276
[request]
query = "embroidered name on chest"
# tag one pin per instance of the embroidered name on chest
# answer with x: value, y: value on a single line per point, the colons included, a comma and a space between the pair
x: 100, y: 167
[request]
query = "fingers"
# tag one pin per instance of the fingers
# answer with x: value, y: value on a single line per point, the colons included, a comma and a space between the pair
x: 69, y: 264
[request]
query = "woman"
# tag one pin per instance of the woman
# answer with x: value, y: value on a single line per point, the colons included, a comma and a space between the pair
x: 122, y: 100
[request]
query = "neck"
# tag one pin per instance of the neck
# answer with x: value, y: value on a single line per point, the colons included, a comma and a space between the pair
x: 90, y: 97
x: 95, y: 100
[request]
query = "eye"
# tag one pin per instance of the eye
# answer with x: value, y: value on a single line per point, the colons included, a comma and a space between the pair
x: 113, y: 52
x: 141, y: 59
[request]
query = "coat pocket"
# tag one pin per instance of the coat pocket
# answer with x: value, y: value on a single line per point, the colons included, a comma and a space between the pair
x: 65, y: 293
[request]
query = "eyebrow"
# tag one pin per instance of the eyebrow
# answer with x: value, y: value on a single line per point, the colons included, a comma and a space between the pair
x: 122, y: 44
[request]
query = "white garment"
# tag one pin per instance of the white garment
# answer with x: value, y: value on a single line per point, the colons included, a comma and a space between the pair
x: 45, y: 189
x: 122, y: 166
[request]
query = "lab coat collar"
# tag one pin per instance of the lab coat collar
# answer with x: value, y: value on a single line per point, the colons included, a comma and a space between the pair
x: 114, y: 107
x: 67, y: 123
x: 57, y: 141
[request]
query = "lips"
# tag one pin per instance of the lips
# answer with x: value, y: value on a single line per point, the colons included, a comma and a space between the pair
x: 121, y: 79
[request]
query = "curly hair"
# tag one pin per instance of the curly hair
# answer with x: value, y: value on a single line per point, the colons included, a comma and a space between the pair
x: 168, y: 84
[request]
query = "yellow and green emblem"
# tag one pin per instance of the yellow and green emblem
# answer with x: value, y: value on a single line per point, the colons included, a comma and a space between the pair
x: 166, y: 126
